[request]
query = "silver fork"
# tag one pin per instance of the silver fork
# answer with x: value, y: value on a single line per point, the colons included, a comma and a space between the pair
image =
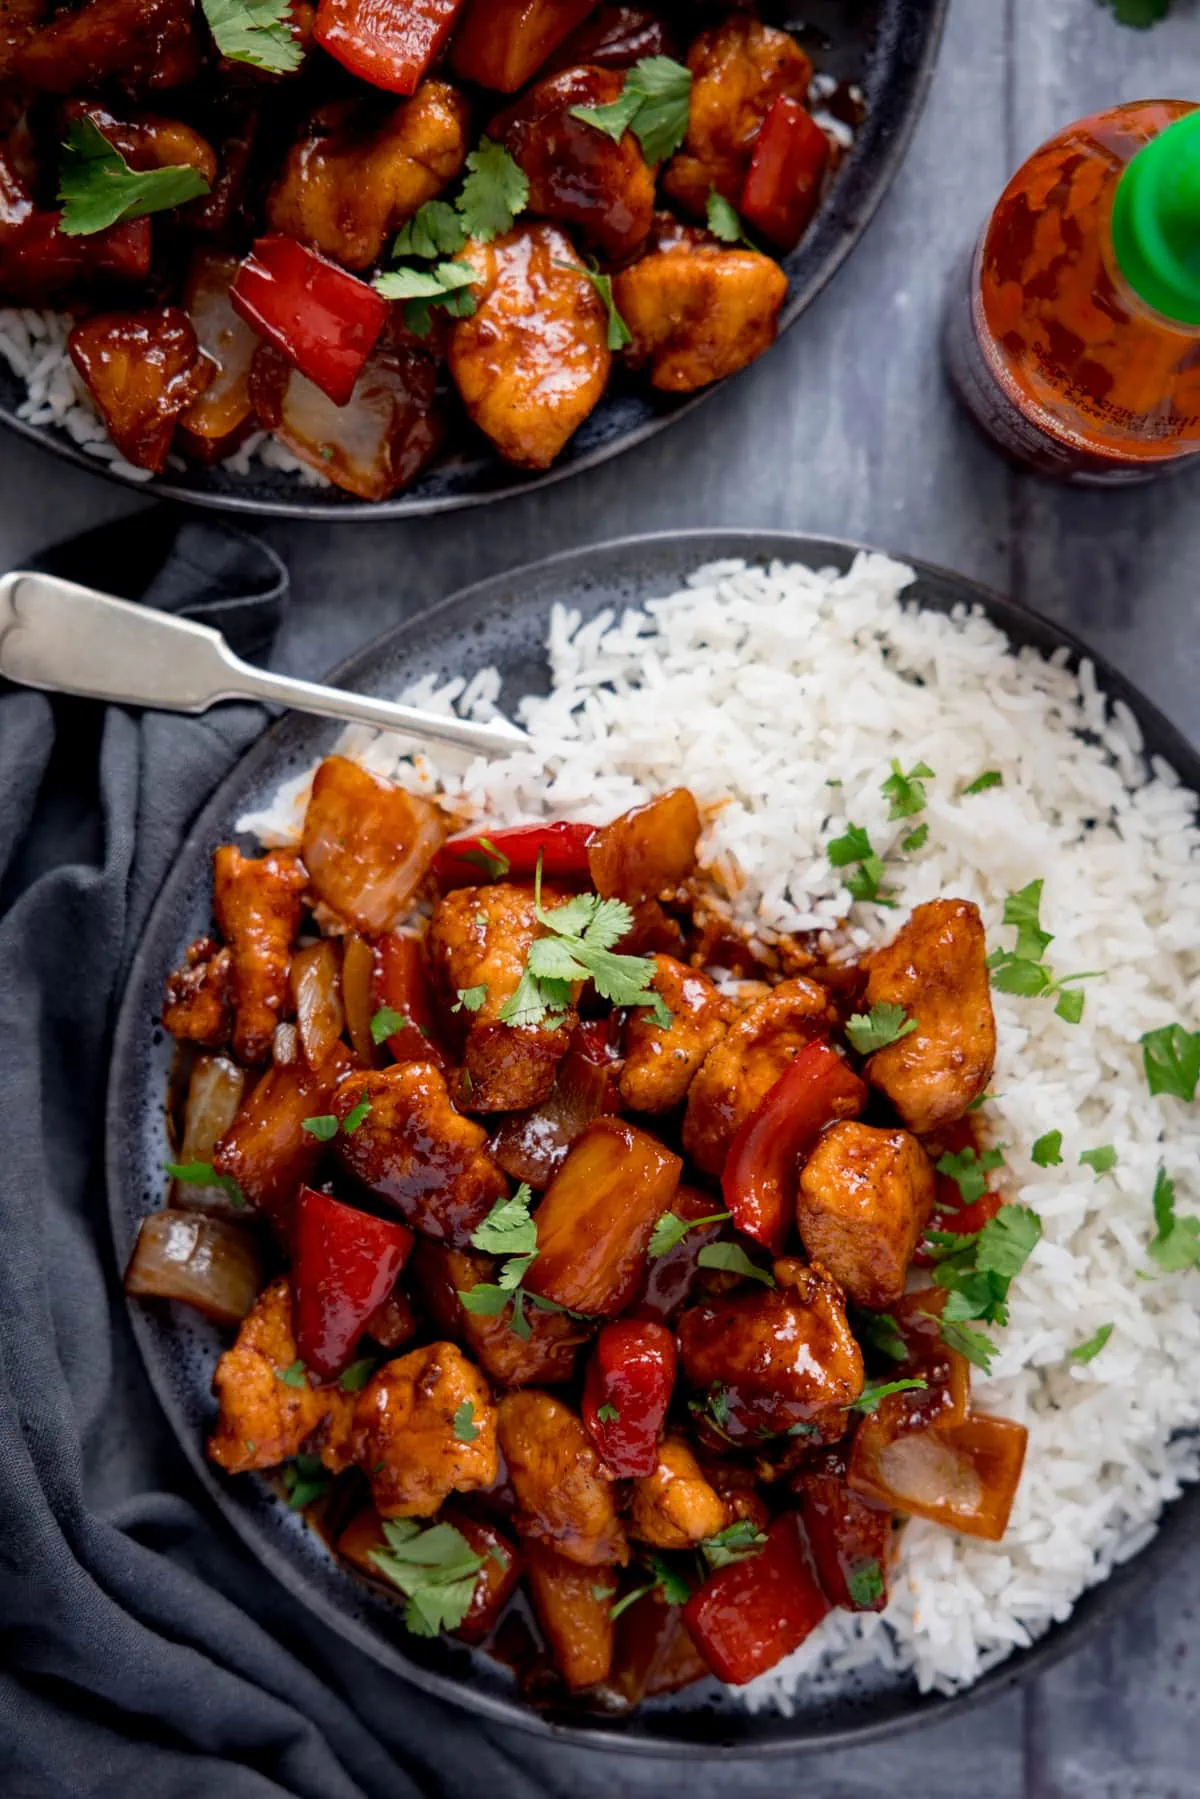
x: 65, y: 638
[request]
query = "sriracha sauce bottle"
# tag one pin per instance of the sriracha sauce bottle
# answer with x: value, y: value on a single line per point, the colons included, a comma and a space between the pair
x: 1073, y: 337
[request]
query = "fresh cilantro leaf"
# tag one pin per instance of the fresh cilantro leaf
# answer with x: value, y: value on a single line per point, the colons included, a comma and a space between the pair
x: 1007, y: 1241
x: 469, y: 999
x: 981, y: 1100
x: 514, y: 1271
x: 906, y: 792
x: 1016, y: 974
x: 496, y: 189
x: 673, y: 1585
x: 1070, y: 1003
x: 875, y: 1029
x: 536, y: 1002
x: 355, y: 1116
x: 203, y: 1174
x: 490, y: 861
x: 736, y: 1543
x: 1177, y: 1243
x: 97, y: 187
x: 879, y: 1331
x: 723, y: 220
x: 295, y: 1375
x: 1171, y: 1059
x: 631, y: 1598
x: 972, y: 1344
x: 991, y: 777
x: 852, y: 846
x: 1047, y: 1151
x: 734, y: 1260
x: 465, y: 1428
x: 323, y: 1127
x: 444, y: 284
x: 1022, y: 970
x: 875, y: 1390
x: 508, y: 1229
x: 434, y: 1567
x: 485, y: 1299
x: 803, y: 1429
x: 607, y: 1414
x: 600, y: 1594
x: 386, y: 1022
x: 1087, y: 1352
x: 1141, y: 14
x: 619, y: 333
x: 671, y: 1229
x: 1101, y: 1159
x: 304, y: 1479
x: 915, y: 840
x: 864, y: 1583
x: 581, y: 933
x: 258, y: 32
x: 714, y: 1407
x: 653, y: 104
x: 969, y: 1170
x: 356, y: 1376
x: 865, y: 881
x: 434, y: 230
x: 1023, y: 910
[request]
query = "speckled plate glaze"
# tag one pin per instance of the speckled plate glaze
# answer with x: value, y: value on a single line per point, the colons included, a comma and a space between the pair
x: 889, y: 47
x: 501, y: 622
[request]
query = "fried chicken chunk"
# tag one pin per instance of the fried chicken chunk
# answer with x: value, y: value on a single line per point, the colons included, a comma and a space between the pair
x: 404, y: 1434
x: 675, y: 1506
x: 936, y: 969
x: 481, y: 937
x: 416, y: 1151
x: 740, y: 1070
x: 358, y: 173
x: 660, y: 1063
x: 574, y: 1608
x: 533, y: 359
x: 563, y: 1495
x: 865, y: 1196
x: 258, y: 907
x: 699, y: 312
x: 739, y: 69
x: 264, y: 1419
x: 199, y: 1005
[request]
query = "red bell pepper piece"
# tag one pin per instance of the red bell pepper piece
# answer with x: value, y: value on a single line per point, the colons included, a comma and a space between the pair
x: 759, y: 1178
x: 632, y: 1370
x: 401, y: 983
x: 322, y: 319
x: 783, y: 184
x: 389, y: 43
x: 345, y: 1265
x: 749, y: 1615
x: 495, y: 856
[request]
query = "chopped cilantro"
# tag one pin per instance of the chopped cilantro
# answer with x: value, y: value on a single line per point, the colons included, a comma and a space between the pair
x: 864, y: 882
x: 875, y: 1390
x: 734, y: 1260
x: 619, y: 333
x: 976, y: 1273
x: 1176, y: 1245
x: 906, y: 792
x: 578, y: 947
x: 879, y: 1331
x: 323, y: 1127
x: 1087, y: 1352
x: 969, y: 1170
x: 386, y: 1022
x: 434, y: 1567
x: 97, y: 188
x: 1101, y: 1159
x: 356, y: 1376
x: 1047, y: 1151
x: 600, y: 1594
x: 875, y: 1029
x: 991, y: 777
x: 671, y: 1229
x: 495, y: 190
x: 653, y: 104
x: 1022, y: 969
x: 490, y: 861
x: 972, y: 1344
x: 915, y: 840
x: 470, y: 999
x: 714, y: 1407
x: 864, y: 1583
x: 203, y: 1174
x: 258, y: 32
x: 465, y: 1428
x: 724, y: 223
x: 355, y: 1116
x: 304, y: 1479
x: 736, y: 1543
x: 1171, y: 1059
x: 295, y: 1375
x: 444, y: 284
x: 607, y: 1414
x: 434, y: 230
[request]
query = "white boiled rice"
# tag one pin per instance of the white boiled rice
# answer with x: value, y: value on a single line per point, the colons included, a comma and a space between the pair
x: 780, y: 697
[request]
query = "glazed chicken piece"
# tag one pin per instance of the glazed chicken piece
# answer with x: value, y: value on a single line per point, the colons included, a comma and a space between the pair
x: 659, y: 1064
x: 404, y: 1436
x: 597, y: 1216
x: 143, y: 44
x: 414, y: 1150
x: 699, y: 312
x: 199, y: 1002
x: 533, y: 359
x: 675, y: 1506
x: 142, y: 369
x: 258, y: 906
x: 865, y: 1197
x: 545, y: 1358
x: 563, y: 1496
x: 264, y: 1419
x: 481, y: 937
x: 740, y: 1070
x: 360, y: 171
x: 788, y: 1348
x: 574, y: 1608
x: 267, y: 1151
x: 936, y: 969
x: 19, y: 21
x: 367, y: 844
x: 739, y: 69
x: 577, y: 174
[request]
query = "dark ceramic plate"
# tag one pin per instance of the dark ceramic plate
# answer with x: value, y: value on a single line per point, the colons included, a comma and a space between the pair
x: 888, y: 47
x: 501, y: 622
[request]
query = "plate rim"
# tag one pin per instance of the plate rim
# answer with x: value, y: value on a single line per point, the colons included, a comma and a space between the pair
x: 893, y: 149
x: 1096, y: 1606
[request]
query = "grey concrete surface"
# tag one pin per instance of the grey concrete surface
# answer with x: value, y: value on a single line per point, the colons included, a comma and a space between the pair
x: 847, y: 429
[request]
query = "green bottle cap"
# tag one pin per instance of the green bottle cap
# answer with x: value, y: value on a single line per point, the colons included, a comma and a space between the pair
x: 1156, y: 221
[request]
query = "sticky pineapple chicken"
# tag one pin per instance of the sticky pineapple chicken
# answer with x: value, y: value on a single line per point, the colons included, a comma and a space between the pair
x: 417, y: 224
x: 588, y: 1303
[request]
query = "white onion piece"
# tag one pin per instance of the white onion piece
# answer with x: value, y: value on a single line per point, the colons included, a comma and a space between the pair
x: 204, y: 1262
